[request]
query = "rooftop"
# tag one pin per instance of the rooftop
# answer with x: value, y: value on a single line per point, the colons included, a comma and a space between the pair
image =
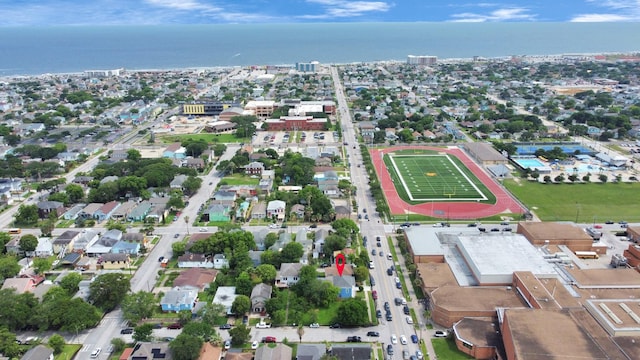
x: 544, y: 334
x: 553, y: 231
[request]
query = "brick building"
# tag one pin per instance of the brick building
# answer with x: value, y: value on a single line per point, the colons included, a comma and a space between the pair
x: 288, y: 123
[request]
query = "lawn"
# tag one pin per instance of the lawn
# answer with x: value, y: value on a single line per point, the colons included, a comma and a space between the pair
x: 446, y: 349
x: 419, y: 178
x: 238, y: 179
x: 68, y: 352
x: 582, y: 203
x: 326, y: 316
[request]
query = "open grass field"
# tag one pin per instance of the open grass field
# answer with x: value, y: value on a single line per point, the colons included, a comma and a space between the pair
x: 432, y: 176
x: 582, y: 203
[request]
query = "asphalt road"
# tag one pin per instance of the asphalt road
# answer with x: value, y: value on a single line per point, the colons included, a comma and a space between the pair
x: 385, y: 284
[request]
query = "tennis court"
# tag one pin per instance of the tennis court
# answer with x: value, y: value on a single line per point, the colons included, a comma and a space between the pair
x: 437, y: 177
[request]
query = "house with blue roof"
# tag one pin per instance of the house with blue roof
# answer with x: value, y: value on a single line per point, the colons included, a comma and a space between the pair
x: 242, y: 211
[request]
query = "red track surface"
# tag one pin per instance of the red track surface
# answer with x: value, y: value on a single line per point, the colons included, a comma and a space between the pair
x: 449, y: 210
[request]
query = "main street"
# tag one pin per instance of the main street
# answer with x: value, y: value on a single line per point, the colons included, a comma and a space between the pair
x: 372, y: 228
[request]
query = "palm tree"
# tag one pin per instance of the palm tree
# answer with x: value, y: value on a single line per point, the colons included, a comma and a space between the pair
x: 300, y: 332
x: 186, y: 221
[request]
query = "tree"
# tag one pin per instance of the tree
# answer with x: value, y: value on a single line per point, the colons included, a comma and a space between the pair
x: 9, y: 267
x: 266, y: 272
x: 243, y: 284
x: 352, y: 312
x: 8, y: 345
x: 300, y: 332
x: 75, y: 192
x: 143, y: 332
x: 603, y: 178
x: 70, y: 283
x: 185, y: 347
x: 240, y: 334
x: 27, y: 215
x: 56, y: 342
x: 47, y: 226
x: 179, y: 248
x: 212, y: 313
x: 138, y: 306
x: 118, y: 344
x: 108, y: 290
x: 332, y: 243
x: 40, y: 265
x: 191, y: 185
x: 28, y: 243
x: 361, y: 273
x: 241, y: 305
x: 292, y: 252
x: 4, y: 239
x: 219, y: 149
x: 133, y: 155
x: 199, y: 329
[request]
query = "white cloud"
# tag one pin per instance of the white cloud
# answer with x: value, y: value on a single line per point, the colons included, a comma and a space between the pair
x: 507, y: 14
x: 618, y: 10
x: 344, y: 8
x: 182, y: 5
x: 600, y: 18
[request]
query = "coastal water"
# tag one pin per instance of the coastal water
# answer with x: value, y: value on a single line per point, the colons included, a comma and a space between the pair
x: 38, y: 50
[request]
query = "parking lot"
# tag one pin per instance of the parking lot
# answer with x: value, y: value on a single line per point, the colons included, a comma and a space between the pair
x: 308, y: 138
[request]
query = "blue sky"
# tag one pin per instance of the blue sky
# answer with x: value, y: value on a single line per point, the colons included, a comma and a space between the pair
x: 147, y: 12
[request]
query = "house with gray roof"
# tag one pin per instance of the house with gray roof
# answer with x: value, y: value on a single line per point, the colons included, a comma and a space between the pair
x: 89, y: 211
x: 178, y: 299
x: 151, y: 351
x: 106, y: 210
x: 107, y: 179
x: 45, y: 208
x: 346, y: 285
x: 276, y: 209
x: 72, y: 213
x: 310, y: 351
x: 140, y: 212
x: 259, y: 296
x: 288, y: 274
x: 259, y: 210
x: 121, y: 213
x: 38, y: 352
x: 177, y: 181
x: 278, y: 352
x: 64, y: 242
x: 88, y: 237
x: 225, y: 295
x: 191, y: 260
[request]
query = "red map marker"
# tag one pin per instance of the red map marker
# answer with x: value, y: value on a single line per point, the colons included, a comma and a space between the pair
x: 340, y: 261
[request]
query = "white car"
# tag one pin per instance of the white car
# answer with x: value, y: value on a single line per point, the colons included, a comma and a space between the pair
x: 403, y: 340
x: 262, y: 325
x: 440, y: 333
x: 409, y: 320
x: 95, y: 353
x: 419, y: 355
x: 394, y: 339
x: 254, y: 345
x: 227, y: 344
x: 314, y: 326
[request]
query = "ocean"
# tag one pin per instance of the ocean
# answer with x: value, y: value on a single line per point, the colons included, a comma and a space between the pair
x: 40, y: 50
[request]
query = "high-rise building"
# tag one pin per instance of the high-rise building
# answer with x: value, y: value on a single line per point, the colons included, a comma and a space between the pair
x: 421, y: 59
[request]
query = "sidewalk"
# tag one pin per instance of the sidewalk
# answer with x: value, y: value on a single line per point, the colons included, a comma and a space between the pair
x: 423, y: 333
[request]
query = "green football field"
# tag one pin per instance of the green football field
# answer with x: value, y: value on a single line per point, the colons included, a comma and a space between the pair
x: 437, y: 177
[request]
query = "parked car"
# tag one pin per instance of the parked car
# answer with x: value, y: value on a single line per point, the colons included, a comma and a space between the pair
x: 160, y: 258
x: 378, y: 314
x: 405, y: 355
x: 440, y: 333
x: 390, y: 349
x: 403, y: 340
x: 225, y: 327
x: 373, y: 333
x: 394, y: 339
x: 176, y: 236
x: 405, y: 310
x: 314, y: 325
x: 414, y: 338
x: 335, y: 326
x: 254, y: 345
x: 354, y: 339
x: 374, y: 295
x: 419, y: 354
x: 379, y: 244
x: 126, y: 331
x: 386, y: 306
x: 373, y: 252
x: 409, y: 320
x: 268, y: 339
x: 227, y: 344
x: 262, y: 325
x: 175, y: 326
x: 95, y: 353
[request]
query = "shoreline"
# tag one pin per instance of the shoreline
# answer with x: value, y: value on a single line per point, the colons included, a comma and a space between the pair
x: 539, y: 57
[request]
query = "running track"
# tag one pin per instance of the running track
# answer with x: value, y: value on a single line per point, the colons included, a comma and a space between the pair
x: 450, y: 210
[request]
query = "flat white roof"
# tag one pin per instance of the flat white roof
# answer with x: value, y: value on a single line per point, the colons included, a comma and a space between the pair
x: 494, y: 257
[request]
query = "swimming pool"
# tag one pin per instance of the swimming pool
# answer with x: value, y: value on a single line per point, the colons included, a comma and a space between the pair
x: 529, y: 163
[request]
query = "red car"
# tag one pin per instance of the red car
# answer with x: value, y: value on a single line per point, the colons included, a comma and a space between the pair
x: 374, y: 294
x: 597, y: 226
x: 268, y: 339
x: 175, y: 326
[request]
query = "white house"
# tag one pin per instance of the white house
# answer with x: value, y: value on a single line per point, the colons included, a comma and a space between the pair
x: 220, y: 261
x: 276, y: 208
x: 225, y: 296
x: 288, y: 274
x: 44, y: 248
x: 190, y: 260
